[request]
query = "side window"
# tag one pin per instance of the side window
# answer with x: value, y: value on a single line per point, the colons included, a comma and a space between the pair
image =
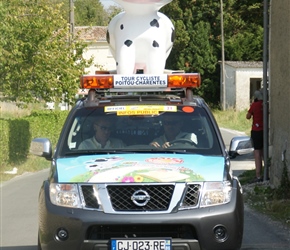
x: 196, y: 126
x: 81, y: 129
x: 199, y: 124
x: 73, y: 134
x: 205, y: 133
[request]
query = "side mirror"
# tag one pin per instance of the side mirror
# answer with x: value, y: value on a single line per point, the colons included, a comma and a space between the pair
x: 240, y: 145
x: 41, y: 147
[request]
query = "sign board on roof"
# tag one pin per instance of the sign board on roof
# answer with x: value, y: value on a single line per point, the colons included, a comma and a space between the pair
x: 141, y: 80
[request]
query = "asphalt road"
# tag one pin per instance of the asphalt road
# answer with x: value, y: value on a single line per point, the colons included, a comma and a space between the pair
x: 18, y: 213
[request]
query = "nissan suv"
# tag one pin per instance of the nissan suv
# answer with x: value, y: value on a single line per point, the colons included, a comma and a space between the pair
x: 138, y: 189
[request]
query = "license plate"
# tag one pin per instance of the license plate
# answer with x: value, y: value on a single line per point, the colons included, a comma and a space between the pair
x: 141, y: 244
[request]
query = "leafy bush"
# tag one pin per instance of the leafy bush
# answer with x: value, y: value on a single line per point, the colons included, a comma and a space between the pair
x: 16, y: 134
x: 4, y: 137
x: 47, y: 124
x: 19, y: 140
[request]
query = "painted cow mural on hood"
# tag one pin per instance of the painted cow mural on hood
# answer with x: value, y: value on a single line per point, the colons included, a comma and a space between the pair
x: 141, y: 37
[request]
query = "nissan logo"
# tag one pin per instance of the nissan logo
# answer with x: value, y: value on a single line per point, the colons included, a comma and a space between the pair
x: 140, y: 198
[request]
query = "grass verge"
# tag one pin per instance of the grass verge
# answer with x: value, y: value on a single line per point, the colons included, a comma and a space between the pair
x: 233, y: 119
x: 262, y: 197
x: 32, y: 164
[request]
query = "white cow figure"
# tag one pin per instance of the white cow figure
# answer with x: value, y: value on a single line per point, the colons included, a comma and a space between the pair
x: 141, y: 38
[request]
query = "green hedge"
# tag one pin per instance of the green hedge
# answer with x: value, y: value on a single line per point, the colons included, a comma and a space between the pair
x: 16, y: 134
x: 47, y: 124
x: 4, y: 138
x: 18, y: 140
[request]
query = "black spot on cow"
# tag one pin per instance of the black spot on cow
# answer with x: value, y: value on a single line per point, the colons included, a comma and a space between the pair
x: 117, y: 63
x: 154, y: 23
x: 121, y: 26
x: 173, y: 35
x: 155, y: 44
x: 128, y: 43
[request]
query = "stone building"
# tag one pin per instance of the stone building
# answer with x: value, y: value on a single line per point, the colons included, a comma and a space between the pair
x: 241, y: 81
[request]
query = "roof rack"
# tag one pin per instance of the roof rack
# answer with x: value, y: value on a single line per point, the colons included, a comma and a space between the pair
x: 106, y: 83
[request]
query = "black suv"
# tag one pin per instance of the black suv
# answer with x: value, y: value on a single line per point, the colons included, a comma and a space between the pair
x: 138, y: 169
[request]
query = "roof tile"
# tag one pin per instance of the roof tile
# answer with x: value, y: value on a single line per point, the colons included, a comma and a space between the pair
x: 91, y: 33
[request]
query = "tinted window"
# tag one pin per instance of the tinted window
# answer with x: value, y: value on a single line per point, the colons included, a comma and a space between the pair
x: 129, y: 131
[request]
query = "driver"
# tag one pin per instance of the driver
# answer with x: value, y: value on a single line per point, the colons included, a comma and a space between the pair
x: 172, y: 131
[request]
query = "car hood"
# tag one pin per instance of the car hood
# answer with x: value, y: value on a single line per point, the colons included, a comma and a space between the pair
x: 140, y: 168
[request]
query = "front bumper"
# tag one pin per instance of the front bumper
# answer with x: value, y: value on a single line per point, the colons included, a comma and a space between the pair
x: 189, y: 229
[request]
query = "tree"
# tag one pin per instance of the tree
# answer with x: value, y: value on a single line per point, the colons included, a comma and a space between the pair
x: 197, y: 47
x: 244, y: 31
x: 86, y: 12
x: 112, y: 11
x: 195, y: 23
x: 90, y: 13
x: 37, y: 61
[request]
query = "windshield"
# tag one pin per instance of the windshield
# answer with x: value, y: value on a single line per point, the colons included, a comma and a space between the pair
x: 148, y: 129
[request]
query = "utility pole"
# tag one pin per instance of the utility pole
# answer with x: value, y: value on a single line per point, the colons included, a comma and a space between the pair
x: 71, y: 20
x: 223, y: 87
x: 265, y: 93
x: 71, y: 30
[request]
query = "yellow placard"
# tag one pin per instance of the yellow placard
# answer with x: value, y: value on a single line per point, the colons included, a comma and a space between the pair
x: 147, y: 108
x: 138, y: 112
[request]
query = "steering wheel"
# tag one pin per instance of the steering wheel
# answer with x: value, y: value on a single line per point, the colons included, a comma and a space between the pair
x: 183, y: 141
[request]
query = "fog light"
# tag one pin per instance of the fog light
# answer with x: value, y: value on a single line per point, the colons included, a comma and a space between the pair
x: 220, y: 233
x: 61, y: 234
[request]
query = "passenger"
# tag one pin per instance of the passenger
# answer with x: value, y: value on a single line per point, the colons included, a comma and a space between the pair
x: 103, y: 127
x: 172, y: 131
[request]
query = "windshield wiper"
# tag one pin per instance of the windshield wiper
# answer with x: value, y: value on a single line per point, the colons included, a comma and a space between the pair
x: 173, y: 151
x: 90, y: 152
x: 153, y: 150
x: 127, y: 151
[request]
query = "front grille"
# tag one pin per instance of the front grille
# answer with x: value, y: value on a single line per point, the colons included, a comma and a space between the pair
x: 89, y: 197
x: 106, y: 232
x: 120, y: 197
x: 160, y: 197
x: 192, y: 195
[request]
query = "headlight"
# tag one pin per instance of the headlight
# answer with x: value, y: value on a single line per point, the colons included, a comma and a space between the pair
x: 65, y: 195
x: 216, y: 193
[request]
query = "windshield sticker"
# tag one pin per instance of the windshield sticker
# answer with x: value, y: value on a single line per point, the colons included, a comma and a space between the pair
x: 140, y: 168
x: 138, y: 112
x: 140, y: 109
x: 162, y: 108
